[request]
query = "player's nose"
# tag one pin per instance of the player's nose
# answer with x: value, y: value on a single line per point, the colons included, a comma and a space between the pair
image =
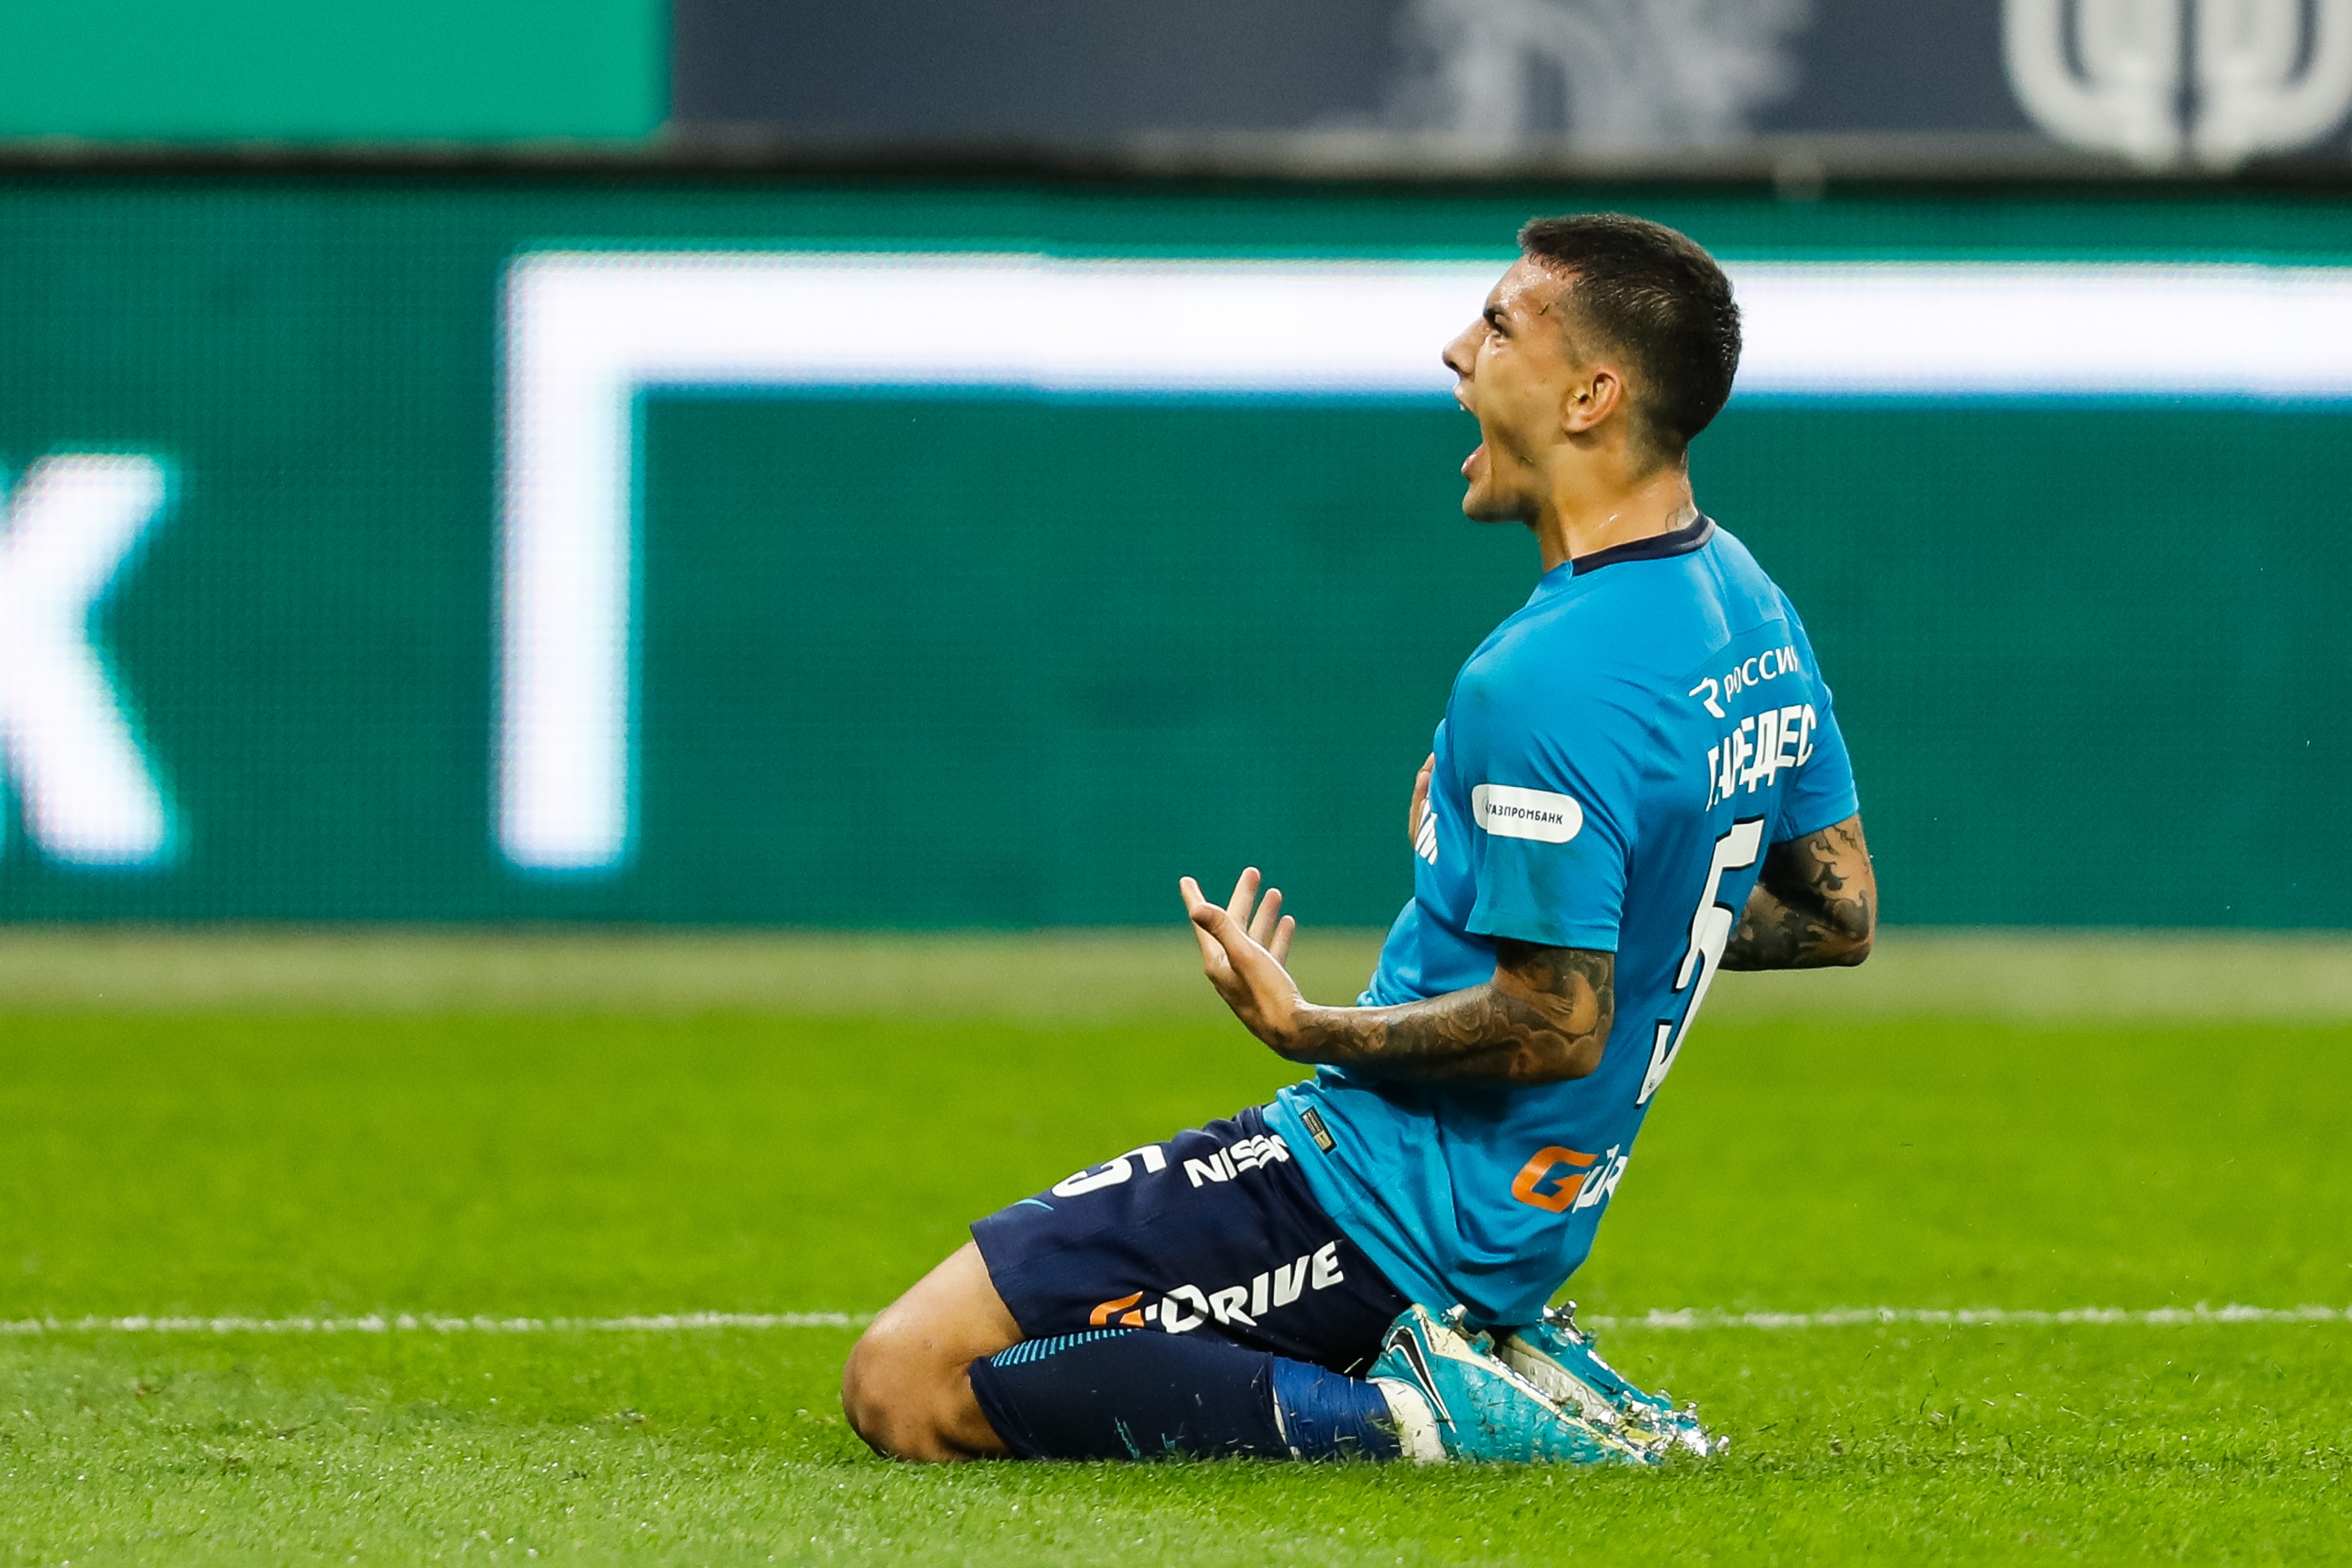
x: 1458, y: 355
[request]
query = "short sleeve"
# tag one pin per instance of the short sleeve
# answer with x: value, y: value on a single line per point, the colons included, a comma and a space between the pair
x: 1822, y: 793
x: 1553, y: 782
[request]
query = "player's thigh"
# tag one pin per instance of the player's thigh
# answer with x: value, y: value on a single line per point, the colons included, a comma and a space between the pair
x: 1214, y: 1233
x: 906, y: 1389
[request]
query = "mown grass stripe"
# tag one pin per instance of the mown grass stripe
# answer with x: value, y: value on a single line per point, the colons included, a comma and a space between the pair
x: 434, y: 1323
x: 685, y: 1322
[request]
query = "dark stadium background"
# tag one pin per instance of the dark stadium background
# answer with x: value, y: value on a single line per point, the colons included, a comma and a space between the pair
x: 1026, y: 666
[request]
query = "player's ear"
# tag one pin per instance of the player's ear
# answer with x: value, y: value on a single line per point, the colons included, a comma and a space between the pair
x: 1591, y: 397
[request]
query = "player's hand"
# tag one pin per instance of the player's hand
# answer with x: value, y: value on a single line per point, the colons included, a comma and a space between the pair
x: 1420, y: 808
x: 1242, y: 945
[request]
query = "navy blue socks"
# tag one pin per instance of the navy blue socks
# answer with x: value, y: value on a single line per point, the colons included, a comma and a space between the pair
x: 1136, y: 1394
x: 1328, y: 1416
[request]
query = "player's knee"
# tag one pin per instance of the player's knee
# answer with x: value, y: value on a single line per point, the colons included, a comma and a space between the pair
x: 865, y: 1383
x: 889, y: 1394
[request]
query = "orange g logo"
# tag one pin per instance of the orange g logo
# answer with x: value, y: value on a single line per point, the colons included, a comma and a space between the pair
x: 1528, y: 1185
x: 1102, y: 1314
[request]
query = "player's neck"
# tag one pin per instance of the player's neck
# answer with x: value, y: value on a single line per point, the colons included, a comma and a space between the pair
x: 1583, y: 517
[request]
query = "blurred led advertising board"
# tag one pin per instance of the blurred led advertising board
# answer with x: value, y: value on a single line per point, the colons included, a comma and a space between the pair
x: 991, y: 556
x: 2110, y: 85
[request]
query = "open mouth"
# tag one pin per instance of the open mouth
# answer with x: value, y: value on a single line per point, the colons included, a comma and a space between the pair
x: 1469, y: 462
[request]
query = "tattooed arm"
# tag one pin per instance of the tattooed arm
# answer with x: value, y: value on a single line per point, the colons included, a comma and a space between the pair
x: 1544, y: 1017
x: 1815, y: 904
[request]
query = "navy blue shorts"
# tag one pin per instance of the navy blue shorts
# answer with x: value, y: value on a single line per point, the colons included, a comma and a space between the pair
x: 1212, y: 1233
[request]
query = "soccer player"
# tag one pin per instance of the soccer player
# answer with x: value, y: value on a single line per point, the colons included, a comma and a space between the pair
x: 1638, y: 781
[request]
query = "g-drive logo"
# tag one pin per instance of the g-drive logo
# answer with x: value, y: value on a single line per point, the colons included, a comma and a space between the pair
x: 1180, y: 1309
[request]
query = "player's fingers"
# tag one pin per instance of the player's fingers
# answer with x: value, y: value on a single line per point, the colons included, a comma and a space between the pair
x: 1197, y: 904
x: 1219, y: 928
x: 1269, y: 914
x: 1280, y: 946
x: 1242, y: 950
x: 1241, y: 947
x: 1212, y: 956
x: 1236, y: 965
x: 1244, y: 895
x: 1225, y: 976
x: 1213, y: 952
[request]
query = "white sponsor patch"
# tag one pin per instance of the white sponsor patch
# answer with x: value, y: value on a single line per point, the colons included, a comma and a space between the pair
x: 1508, y: 811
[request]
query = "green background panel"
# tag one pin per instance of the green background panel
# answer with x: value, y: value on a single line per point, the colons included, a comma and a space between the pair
x: 1032, y: 661
x: 356, y: 69
x: 923, y: 659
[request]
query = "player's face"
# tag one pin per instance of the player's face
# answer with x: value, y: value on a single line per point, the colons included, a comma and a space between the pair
x: 1514, y: 368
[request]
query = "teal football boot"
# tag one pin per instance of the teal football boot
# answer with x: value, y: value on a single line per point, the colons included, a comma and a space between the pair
x: 1557, y: 1357
x: 1453, y: 1401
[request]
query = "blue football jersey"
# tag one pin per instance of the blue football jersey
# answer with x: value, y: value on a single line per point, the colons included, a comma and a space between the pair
x: 1613, y: 763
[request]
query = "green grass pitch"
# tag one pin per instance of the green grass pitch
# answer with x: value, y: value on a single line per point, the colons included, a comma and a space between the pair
x: 575, y: 1136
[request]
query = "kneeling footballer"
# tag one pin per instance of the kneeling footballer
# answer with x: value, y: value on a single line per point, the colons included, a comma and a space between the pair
x: 1638, y: 781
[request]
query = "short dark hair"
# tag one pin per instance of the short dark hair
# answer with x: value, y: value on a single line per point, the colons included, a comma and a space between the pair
x: 1657, y: 295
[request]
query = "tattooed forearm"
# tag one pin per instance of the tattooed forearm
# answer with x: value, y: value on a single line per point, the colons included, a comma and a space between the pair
x: 1815, y: 904
x: 1544, y: 1017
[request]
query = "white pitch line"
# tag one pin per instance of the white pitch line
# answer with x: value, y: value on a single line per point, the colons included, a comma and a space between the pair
x: 688, y: 1322
x: 1976, y: 1317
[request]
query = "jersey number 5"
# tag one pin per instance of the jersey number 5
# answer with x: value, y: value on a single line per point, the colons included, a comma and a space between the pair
x: 1711, y: 926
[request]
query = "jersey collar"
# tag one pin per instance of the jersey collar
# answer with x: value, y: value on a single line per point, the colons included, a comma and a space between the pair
x: 1657, y: 547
